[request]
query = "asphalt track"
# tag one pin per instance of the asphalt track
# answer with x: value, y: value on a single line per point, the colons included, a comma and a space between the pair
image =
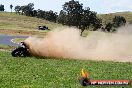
x: 6, y: 39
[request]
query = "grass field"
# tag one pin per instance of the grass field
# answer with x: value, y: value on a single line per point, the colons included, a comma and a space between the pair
x: 32, y: 72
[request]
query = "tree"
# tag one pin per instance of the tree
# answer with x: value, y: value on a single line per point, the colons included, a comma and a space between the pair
x: 85, y: 19
x: 2, y: 7
x: 62, y: 17
x: 27, y: 9
x: 73, y: 14
x: 119, y: 21
x: 73, y: 9
x: 40, y: 13
x: 95, y: 22
x: 109, y: 27
x: 47, y: 15
x: 24, y: 9
x: 34, y: 13
x: 17, y: 9
x: 50, y: 16
x: 89, y: 18
x: 11, y: 6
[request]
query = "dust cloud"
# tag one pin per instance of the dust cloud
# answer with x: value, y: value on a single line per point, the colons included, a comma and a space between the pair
x: 66, y: 42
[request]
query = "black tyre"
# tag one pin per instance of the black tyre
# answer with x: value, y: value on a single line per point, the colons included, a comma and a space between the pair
x: 26, y: 54
x: 18, y: 52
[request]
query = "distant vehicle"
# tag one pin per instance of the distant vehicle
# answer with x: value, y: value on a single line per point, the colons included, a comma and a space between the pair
x: 43, y: 28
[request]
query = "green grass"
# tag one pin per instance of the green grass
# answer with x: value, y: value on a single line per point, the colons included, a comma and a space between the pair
x: 18, y: 40
x: 6, y: 47
x: 51, y: 72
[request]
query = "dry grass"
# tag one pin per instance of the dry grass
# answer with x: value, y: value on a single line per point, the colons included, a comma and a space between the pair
x: 108, y: 17
x: 21, y: 24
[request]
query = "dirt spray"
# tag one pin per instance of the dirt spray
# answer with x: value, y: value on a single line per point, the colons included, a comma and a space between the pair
x: 66, y: 42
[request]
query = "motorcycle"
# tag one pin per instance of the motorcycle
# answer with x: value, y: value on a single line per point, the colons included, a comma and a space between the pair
x: 21, y: 51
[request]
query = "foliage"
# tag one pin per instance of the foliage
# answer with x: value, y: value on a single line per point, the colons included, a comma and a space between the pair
x: 11, y: 6
x: 17, y: 9
x: 2, y: 7
x: 47, y: 15
x: 28, y: 9
x: 40, y: 13
x: 95, y: 21
x: 50, y: 16
x: 109, y: 27
x: 34, y: 13
x: 73, y: 14
x: 61, y: 17
x: 73, y: 10
x: 117, y: 21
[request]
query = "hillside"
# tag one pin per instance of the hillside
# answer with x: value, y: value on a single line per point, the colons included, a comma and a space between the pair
x: 108, y: 17
x: 11, y: 23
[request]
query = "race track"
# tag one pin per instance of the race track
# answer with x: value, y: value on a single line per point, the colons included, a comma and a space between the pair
x: 6, y: 39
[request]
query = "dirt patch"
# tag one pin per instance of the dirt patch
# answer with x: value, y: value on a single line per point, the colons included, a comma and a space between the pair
x: 5, y: 50
x: 20, y: 32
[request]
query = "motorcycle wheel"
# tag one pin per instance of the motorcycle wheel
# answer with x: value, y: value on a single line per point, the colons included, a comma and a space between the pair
x: 17, y: 52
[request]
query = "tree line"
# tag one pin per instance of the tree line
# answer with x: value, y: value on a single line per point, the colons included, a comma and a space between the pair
x: 72, y: 14
x: 29, y: 10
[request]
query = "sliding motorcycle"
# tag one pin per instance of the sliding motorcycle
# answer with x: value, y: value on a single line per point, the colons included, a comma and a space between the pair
x: 21, y: 51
